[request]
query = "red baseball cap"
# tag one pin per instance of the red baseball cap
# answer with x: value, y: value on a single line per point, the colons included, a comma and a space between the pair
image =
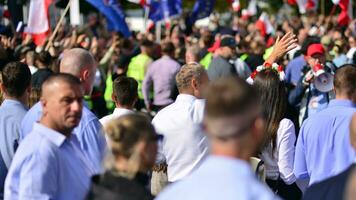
x: 315, y: 49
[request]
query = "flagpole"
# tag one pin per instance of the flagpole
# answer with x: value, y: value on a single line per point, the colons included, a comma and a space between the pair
x: 147, y: 11
x: 57, y: 26
x: 158, y: 31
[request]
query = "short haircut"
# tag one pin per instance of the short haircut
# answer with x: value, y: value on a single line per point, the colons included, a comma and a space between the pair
x: 230, y: 105
x: 345, y: 80
x: 125, y: 90
x: 167, y: 47
x: 62, y: 77
x: 147, y: 43
x: 187, y: 73
x: 44, y: 57
x: 16, y: 78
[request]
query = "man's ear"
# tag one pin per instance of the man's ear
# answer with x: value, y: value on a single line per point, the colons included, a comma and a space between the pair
x: 85, y: 75
x: 194, y: 84
x: 113, y: 97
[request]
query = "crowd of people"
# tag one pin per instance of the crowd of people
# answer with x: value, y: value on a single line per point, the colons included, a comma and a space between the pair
x: 219, y: 112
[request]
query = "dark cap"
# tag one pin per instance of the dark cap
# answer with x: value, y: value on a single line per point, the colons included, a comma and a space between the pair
x: 228, y: 42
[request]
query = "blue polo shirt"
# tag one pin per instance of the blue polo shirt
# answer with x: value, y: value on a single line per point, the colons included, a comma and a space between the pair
x: 89, y: 133
x: 294, y: 69
x: 323, y: 147
x: 48, y: 165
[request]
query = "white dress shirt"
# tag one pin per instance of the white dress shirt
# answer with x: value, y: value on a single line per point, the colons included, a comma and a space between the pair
x: 281, y: 161
x: 118, y: 112
x: 184, y: 144
x: 222, y: 178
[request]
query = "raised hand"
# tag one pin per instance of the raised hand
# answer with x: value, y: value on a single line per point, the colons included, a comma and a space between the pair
x: 282, y: 46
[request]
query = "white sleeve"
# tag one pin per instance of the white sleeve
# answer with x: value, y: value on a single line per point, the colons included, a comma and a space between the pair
x: 286, y: 148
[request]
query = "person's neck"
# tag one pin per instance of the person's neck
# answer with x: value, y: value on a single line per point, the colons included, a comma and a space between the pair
x: 124, y: 107
x: 187, y: 92
x: 23, y: 99
x: 230, y: 151
x: 341, y: 97
x: 46, y: 122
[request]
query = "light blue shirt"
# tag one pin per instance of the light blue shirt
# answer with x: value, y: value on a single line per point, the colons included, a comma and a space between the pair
x: 48, y: 165
x: 11, y: 114
x: 323, y: 147
x: 89, y: 133
x: 219, y: 178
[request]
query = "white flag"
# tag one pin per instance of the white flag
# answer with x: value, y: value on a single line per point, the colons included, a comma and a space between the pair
x: 74, y: 12
x: 38, y: 16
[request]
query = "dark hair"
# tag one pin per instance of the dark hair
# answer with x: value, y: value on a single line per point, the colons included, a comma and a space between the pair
x: 344, y: 79
x: 16, y: 78
x: 167, y: 48
x: 273, y: 100
x: 125, y: 90
x: 44, y: 57
x: 147, y: 43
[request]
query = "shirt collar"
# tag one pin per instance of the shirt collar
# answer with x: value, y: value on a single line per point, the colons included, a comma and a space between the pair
x: 185, y: 97
x: 122, y: 110
x: 13, y: 102
x: 339, y: 102
x: 52, y: 135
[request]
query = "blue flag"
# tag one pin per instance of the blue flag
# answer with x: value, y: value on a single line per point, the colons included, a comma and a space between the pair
x: 202, y: 9
x: 163, y: 9
x: 111, y: 9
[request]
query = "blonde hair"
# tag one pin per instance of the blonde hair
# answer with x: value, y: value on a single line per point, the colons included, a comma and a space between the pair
x: 187, y: 73
x: 124, y: 133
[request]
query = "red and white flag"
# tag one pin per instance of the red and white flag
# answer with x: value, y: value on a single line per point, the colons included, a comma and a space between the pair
x: 38, y: 21
x: 346, y: 14
x: 304, y: 5
x: 250, y: 11
x: 264, y: 25
x: 236, y: 5
x: 141, y: 2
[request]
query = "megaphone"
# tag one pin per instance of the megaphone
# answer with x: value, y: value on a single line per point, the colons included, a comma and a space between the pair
x: 323, y: 81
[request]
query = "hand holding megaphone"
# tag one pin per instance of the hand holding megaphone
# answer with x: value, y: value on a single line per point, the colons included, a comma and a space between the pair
x: 323, y: 81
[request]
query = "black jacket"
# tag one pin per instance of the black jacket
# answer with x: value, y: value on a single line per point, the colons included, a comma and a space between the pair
x: 111, y: 186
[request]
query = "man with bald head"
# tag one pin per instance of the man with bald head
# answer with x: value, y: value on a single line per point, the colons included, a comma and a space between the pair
x: 80, y: 63
x: 49, y: 163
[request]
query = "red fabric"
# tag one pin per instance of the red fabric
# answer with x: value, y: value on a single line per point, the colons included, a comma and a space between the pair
x: 215, y: 46
x: 40, y: 38
x: 292, y: 2
x: 270, y: 42
x: 6, y: 14
x: 260, y: 25
x: 344, y: 18
x: 310, y: 5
